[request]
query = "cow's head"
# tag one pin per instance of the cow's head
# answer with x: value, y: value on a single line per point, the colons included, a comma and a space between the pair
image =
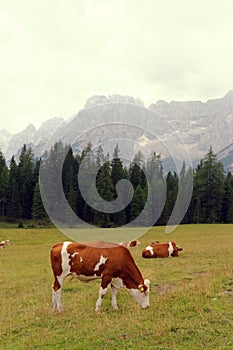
x: 141, y: 294
x: 176, y: 249
x: 134, y: 243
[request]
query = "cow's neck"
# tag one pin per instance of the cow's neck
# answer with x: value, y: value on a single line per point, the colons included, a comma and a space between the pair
x: 132, y: 277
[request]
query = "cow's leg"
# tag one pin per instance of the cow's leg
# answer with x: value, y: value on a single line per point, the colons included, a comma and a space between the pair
x: 56, y: 294
x: 102, y: 291
x: 114, y: 292
x: 115, y: 287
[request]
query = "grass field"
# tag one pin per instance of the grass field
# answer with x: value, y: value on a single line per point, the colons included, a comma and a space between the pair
x: 191, y: 296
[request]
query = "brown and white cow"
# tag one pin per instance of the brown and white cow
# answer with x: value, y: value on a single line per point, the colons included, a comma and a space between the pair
x: 161, y: 250
x: 110, y: 262
x: 130, y: 244
x: 4, y: 243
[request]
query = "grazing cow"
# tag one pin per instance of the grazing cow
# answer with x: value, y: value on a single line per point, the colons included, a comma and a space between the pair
x: 4, y: 243
x: 110, y: 262
x: 129, y: 244
x: 160, y: 250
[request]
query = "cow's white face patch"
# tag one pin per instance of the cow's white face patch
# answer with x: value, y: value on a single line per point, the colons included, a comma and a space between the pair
x: 101, y: 262
x: 170, y: 249
x: 142, y: 298
x: 150, y: 249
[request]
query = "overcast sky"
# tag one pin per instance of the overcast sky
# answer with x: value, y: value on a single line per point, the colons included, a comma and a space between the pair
x: 54, y: 54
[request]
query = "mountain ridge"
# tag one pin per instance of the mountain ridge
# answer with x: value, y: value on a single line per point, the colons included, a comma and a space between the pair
x: 199, y: 124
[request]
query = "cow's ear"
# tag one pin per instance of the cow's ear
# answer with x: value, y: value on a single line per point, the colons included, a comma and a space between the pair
x: 147, y: 282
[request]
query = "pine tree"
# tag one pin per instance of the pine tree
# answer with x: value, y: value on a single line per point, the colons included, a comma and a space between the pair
x: 38, y: 211
x: 36, y: 172
x: 156, y: 198
x: 2, y: 161
x: 100, y: 158
x: 105, y: 189
x: 118, y: 173
x: 227, y: 200
x: 154, y: 166
x: 25, y: 182
x: 187, y: 194
x: 137, y: 178
x: 184, y: 196
x: 50, y: 181
x: 4, y: 180
x: 136, y: 174
x: 172, y: 190
x: 86, y: 170
x: 208, y: 184
x: 13, y: 206
x: 156, y: 188
x: 137, y: 204
x: 70, y: 180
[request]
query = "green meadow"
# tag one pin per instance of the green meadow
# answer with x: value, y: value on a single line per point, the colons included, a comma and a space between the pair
x: 191, y: 298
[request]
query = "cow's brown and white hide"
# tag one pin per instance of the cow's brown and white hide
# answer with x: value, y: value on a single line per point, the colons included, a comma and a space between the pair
x: 110, y: 262
x: 130, y: 244
x: 161, y: 250
x: 5, y: 243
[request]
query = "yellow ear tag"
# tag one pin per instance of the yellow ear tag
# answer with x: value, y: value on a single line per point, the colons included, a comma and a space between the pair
x: 142, y: 289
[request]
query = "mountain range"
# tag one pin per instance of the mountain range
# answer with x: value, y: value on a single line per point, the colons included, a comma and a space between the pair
x: 198, y: 124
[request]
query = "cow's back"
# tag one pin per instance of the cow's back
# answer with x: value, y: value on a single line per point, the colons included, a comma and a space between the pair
x: 89, y: 255
x: 161, y: 250
x: 158, y: 250
x: 84, y: 258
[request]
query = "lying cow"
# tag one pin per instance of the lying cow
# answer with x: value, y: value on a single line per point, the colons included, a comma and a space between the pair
x: 110, y: 262
x: 160, y: 250
x: 4, y: 243
x: 130, y: 244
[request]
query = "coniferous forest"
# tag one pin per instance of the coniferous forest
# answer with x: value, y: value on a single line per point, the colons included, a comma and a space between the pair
x: 20, y: 197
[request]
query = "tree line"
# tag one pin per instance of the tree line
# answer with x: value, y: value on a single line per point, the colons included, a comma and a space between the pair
x: 20, y: 196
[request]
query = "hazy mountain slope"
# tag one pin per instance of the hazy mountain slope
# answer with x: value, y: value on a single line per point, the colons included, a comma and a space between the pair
x: 198, y: 125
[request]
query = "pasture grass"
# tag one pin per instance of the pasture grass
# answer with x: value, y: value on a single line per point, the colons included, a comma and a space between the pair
x: 191, y: 296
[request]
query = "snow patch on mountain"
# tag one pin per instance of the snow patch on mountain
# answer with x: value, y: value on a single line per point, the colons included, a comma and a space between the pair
x: 198, y: 124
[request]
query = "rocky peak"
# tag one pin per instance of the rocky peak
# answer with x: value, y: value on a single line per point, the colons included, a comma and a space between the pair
x: 52, y: 124
x: 29, y: 129
x: 101, y: 99
x: 229, y: 96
